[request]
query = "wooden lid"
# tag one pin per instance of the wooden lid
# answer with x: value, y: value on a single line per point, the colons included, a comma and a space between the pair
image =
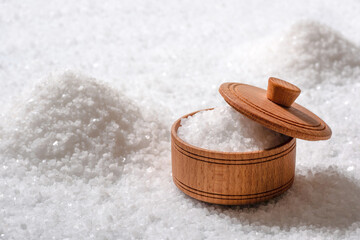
x: 275, y: 109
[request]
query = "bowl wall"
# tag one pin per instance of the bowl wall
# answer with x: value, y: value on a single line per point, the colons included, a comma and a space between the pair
x: 231, y: 178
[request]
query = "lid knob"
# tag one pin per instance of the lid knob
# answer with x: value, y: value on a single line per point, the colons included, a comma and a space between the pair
x: 282, y: 92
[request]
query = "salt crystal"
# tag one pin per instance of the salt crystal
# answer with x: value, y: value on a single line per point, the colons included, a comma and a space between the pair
x: 180, y: 37
x: 311, y: 54
x: 225, y: 129
x: 351, y: 168
x: 70, y: 144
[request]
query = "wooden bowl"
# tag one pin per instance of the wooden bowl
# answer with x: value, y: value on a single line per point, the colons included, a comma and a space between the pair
x: 231, y: 178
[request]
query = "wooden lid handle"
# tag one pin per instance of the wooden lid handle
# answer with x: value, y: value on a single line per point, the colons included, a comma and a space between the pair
x: 282, y: 92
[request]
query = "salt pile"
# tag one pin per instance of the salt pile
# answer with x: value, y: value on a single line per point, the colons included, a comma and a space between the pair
x: 309, y: 53
x: 76, y: 126
x: 171, y: 52
x: 225, y: 129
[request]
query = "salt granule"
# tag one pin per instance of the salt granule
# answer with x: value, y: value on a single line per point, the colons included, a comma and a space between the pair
x: 309, y: 53
x: 74, y: 125
x: 171, y: 57
x: 225, y: 129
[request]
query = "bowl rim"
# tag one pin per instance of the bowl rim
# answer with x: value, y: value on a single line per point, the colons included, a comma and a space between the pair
x: 263, y: 152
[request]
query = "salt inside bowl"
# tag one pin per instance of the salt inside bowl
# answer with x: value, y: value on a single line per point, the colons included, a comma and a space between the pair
x: 225, y: 129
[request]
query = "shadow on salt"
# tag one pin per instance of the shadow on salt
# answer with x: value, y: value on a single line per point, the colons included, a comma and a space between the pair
x: 322, y: 198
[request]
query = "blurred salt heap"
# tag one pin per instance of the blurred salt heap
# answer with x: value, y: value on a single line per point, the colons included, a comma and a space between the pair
x: 74, y: 125
x: 309, y: 54
x: 225, y: 129
x: 172, y: 52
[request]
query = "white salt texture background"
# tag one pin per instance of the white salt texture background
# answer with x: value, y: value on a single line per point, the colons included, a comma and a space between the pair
x: 224, y: 129
x: 86, y: 159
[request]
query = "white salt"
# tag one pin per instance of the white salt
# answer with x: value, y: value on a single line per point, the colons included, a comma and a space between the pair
x: 309, y: 53
x: 172, y: 56
x: 74, y: 125
x: 225, y: 129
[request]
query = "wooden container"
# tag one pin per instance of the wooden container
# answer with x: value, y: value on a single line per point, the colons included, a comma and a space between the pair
x: 231, y: 178
x: 236, y: 178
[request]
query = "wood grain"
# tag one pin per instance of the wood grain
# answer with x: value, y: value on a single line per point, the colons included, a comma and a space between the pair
x: 295, y: 121
x: 282, y: 92
x: 231, y: 178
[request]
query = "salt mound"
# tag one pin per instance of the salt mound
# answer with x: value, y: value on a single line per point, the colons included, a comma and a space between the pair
x: 75, y: 125
x: 309, y: 53
x: 225, y: 129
